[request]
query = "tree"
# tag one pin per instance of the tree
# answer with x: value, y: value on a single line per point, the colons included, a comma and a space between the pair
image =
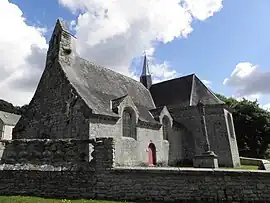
x: 252, y: 127
x: 8, y: 107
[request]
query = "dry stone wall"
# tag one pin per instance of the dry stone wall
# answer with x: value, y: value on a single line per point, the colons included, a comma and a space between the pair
x: 45, y: 151
x: 62, y: 184
x: 105, y: 181
x: 174, y: 184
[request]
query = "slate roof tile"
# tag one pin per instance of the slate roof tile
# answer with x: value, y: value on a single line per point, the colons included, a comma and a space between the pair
x: 9, y: 118
x: 184, y: 91
x: 98, y: 86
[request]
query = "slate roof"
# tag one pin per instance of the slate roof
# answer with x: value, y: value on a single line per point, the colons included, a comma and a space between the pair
x: 9, y: 118
x: 98, y: 86
x: 201, y: 92
x: 116, y: 102
x: 156, y: 112
x: 184, y: 91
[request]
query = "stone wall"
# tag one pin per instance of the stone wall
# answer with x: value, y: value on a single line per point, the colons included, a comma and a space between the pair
x: 139, y: 184
x: 131, y: 151
x: 56, y: 110
x: 193, y: 139
x: 177, y: 146
x: 232, y: 138
x: 105, y: 181
x: 173, y: 184
x: 67, y: 184
x: 45, y: 151
x: 221, y: 142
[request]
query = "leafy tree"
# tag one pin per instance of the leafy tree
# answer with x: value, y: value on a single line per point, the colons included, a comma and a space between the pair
x: 252, y: 127
x: 8, y: 107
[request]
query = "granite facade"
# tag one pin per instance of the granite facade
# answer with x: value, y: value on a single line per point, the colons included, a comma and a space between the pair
x: 221, y: 142
x: 56, y: 110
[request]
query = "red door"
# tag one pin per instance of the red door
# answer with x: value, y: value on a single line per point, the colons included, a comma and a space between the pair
x: 151, y: 154
x: 150, y: 157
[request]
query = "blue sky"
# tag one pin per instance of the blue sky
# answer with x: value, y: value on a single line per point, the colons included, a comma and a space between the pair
x: 237, y: 33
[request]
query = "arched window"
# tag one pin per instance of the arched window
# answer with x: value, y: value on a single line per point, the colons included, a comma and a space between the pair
x: 230, y: 125
x: 129, y: 124
x: 166, y: 126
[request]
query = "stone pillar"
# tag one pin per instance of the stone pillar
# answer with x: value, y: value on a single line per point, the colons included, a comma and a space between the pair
x: 208, y: 159
x: 104, y: 153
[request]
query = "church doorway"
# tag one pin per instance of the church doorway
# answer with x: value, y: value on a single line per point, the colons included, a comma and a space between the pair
x: 152, y: 160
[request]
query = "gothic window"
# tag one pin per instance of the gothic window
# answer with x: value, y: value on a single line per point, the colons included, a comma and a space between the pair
x: 129, y: 127
x: 230, y: 125
x: 166, y: 126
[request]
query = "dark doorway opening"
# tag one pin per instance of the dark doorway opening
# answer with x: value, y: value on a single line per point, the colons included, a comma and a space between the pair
x: 152, y: 159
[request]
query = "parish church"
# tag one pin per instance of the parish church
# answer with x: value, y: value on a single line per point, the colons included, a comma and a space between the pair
x: 168, y: 123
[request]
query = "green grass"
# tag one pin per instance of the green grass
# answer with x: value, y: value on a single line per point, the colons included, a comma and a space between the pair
x: 19, y: 199
x: 249, y: 167
x: 244, y: 167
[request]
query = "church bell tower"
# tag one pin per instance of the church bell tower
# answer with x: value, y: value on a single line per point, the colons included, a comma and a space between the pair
x: 146, y: 78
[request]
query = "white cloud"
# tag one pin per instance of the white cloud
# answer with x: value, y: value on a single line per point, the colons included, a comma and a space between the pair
x: 202, y: 9
x: 113, y: 32
x: 162, y: 71
x: 110, y: 33
x: 207, y: 83
x: 266, y: 107
x: 158, y: 71
x: 22, y: 55
x: 249, y: 81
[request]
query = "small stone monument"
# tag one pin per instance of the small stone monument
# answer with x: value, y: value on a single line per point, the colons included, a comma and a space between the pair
x: 208, y: 159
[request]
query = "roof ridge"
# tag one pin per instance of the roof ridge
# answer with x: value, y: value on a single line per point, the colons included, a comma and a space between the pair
x: 63, y: 26
x: 108, y: 69
x: 213, y: 94
x: 185, y: 76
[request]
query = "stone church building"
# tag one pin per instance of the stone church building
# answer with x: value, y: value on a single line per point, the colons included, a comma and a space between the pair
x: 150, y: 123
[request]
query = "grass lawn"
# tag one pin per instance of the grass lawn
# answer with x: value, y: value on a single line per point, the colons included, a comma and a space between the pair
x: 19, y: 199
x: 244, y: 167
x: 249, y: 167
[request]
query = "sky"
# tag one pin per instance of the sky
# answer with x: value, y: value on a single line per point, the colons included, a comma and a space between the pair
x: 224, y: 42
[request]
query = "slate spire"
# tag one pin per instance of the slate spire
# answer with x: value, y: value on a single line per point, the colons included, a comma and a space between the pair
x: 146, y: 78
